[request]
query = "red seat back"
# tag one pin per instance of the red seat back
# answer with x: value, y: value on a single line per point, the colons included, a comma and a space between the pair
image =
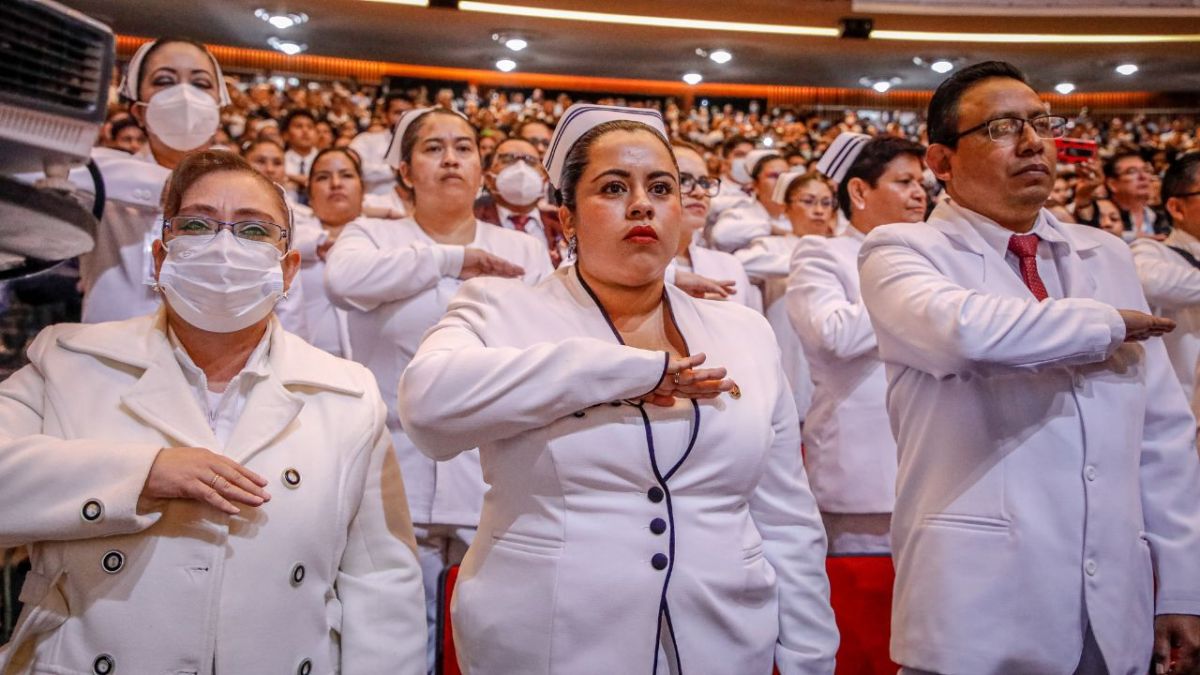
x: 861, y: 595
x: 446, y: 662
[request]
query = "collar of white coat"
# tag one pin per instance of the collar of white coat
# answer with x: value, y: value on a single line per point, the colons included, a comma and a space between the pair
x: 1183, y: 240
x: 978, y: 232
x: 257, y: 365
x: 142, y: 342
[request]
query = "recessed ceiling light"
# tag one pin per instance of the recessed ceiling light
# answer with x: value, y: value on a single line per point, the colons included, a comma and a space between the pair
x: 941, y: 66
x: 281, y: 21
x: 882, y: 86
x: 1127, y: 68
x: 286, y: 46
x: 720, y: 56
x: 506, y: 65
x: 516, y: 44
x: 1064, y: 88
x: 693, y: 78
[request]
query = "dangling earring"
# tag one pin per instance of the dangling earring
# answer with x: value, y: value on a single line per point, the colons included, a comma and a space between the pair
x: 572, y: 247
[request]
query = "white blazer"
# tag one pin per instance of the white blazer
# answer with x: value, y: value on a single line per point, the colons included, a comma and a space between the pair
x: 324, y: 574
x: 736, y: 227
x: 848, y: 446
x: 1047, y: 469
x: 605, y: 517
x: 394, y: 283
x: 1172, y: 287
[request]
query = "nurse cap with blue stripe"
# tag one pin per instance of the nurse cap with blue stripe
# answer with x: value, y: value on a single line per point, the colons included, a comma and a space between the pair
x: 841, y: 154
x: 582, y: 118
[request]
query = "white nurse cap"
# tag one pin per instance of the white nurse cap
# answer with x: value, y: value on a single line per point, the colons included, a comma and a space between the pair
x: 582, y: 118
x: 841, y: 154
x: 779, y: 196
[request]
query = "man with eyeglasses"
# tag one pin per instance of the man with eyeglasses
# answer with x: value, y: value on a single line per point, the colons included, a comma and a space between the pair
x: 1048, y: 479
x: 1128, y: 177
x: 1170, y: 270
x: 516, y: 184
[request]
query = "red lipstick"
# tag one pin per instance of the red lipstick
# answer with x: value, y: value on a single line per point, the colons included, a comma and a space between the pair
x: 641, y: 234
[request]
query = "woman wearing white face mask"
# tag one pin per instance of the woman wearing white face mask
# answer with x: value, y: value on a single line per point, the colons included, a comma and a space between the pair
x: 516, y: 184
x: 395, y: 280
x: 175, y: 89
x: 202, y: 491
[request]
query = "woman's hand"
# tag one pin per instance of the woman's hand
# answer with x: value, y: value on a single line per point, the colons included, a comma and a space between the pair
x: 684, y: 380
x: 703, y: 287
x: 478, y: 263
x: 205, y: 476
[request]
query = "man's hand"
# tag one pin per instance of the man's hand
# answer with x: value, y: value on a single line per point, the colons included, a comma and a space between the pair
x: 684, y: 380
x: 703, y: 287
x: 1141, y: 326
x: 479, y: 263
x: 205, y: 476
x: 1178, y: 634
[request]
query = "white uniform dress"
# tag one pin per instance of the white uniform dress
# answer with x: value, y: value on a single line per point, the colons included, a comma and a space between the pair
x: 395, y: 282
x: 1172, y: 287
x: 371, y: 146
x: 617, y: 536
x: 1048, y: 477
x: 322, y: 578
x: 327, y: 327
x: 719, y: 265
x: 848, y: 446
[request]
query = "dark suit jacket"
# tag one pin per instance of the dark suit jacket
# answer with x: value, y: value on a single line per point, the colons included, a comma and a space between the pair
x: 487, y: 211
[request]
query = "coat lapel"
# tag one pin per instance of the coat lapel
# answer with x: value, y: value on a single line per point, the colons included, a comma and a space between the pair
x: 270, y: 410
x: 1074, y: 268
x: 163, y: 399
x: 988, y: 270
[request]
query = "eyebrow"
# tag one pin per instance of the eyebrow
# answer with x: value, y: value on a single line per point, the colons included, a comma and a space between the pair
x: 172, y: 71
x: 1039, y: 112
x: 239, y: 215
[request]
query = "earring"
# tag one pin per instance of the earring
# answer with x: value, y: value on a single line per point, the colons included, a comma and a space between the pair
x: 572, y: 246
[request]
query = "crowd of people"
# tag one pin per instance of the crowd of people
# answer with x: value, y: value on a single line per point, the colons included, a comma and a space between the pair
x: 332, y: 343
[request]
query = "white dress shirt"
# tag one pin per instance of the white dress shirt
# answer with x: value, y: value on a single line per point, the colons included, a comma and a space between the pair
x: 223, y: 409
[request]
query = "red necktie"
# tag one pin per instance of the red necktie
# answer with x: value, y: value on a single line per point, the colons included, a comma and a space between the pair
x: 519, y: 221
x: 1025, y: 247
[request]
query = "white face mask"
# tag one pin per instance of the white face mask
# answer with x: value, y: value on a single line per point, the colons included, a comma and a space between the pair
x: 520, y: 184
x: 221, y: 284
x: 183, y: 117
x: 740, y: 173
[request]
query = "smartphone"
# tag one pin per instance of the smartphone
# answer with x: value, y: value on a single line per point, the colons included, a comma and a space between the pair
x: 1075, y: 150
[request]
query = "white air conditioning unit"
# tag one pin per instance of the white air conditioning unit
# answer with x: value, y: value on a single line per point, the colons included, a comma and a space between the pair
x: 55, y: 70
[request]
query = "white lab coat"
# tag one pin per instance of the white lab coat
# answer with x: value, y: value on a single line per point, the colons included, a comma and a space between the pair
x: 175, y: 586
x: 848, y: 446
x: 118, y: 275
x: 394, y: 283
x: 1047, y: 469
x: 736, y: 227
x: 604, y: 516
x: 729, y: 195
x: 1172, y: 287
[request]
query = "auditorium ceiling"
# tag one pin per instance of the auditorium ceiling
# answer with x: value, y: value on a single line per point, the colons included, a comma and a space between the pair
x: 384, y: 31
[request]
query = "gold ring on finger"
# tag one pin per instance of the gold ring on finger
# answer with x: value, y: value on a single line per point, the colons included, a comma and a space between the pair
x: 213, y: 483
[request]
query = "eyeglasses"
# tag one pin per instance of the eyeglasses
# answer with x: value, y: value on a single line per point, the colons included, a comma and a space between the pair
x: 508, y: 158
x: 810, y: 202
x: 688, y: 182
x: 203, y: 226
x: 1185, y: 195
x: 1136, y: 171
x: 1009, y: 129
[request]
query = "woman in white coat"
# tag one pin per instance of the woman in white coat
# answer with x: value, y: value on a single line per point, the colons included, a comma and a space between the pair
x: 395, y: 279
x: 696, y: 192
x: 201, y: 491
x: 849, y: 450
x: 644, y: 514
x: 736, y: 227
x: 335, y: 198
